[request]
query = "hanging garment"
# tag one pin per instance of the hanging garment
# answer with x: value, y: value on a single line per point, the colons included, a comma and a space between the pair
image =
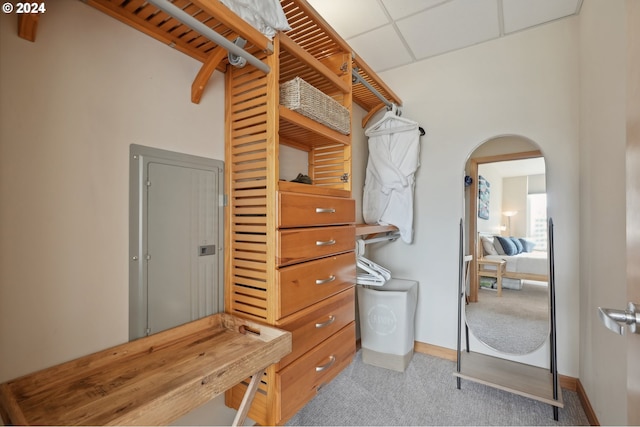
x: 394, y: 147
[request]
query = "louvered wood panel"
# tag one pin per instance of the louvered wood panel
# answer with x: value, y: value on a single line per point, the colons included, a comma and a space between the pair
x: 311, y: 32
x: 248, y: 181
x: 330, y: 166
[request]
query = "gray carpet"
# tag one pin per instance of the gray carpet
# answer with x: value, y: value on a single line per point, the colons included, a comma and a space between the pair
x: 425, y: 394
x: 515, y: 323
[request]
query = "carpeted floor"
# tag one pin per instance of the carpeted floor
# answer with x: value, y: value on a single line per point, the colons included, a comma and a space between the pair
x: 515, y: 323
x: 425, y: 394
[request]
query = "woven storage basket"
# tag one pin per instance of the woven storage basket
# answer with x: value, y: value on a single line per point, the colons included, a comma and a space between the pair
x: 301, y: 97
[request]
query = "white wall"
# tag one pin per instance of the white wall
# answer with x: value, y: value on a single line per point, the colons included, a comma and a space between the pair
x: 514, y: 198
x: 527, y: 85
x: 493, y: 225
x: 71, y: 104
x: 602, y: 202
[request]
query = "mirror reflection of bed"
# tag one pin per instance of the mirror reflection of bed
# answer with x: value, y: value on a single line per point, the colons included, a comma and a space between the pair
x: 508, y: 294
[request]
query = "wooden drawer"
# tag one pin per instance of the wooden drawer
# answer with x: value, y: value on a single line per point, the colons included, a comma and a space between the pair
x: 313, y: 325
x: 300, y: 381
x: 305, y: 284
x: 304, y: 210
x: 304, y: 244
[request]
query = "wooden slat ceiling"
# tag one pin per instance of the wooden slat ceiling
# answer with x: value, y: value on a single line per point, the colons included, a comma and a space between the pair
x: 309, y: 30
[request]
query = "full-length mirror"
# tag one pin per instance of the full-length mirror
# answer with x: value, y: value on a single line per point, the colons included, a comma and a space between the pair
x: 506, y: 215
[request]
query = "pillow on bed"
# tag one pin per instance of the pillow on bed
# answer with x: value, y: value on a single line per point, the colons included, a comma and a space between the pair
x: 516, y: 241
x: 498, y: 246
x: 527, y: 245
x: 508, y: 246
x: 487, y: 245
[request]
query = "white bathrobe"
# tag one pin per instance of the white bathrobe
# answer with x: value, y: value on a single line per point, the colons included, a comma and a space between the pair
x: 394, y: 147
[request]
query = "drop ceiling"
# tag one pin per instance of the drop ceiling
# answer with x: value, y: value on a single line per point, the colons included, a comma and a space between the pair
x: 391, y: 33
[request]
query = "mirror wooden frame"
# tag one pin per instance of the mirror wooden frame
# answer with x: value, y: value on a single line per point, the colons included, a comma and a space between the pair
x: 473, y: 209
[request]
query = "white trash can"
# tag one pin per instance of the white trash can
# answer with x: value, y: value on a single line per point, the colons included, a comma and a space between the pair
x: 387, y: 328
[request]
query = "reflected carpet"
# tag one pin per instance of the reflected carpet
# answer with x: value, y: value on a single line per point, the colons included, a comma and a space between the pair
x: 515, y: 323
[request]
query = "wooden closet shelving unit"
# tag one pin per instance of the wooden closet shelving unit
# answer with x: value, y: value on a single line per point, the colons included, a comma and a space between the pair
x: 291, y: 260
x: 289, y: 255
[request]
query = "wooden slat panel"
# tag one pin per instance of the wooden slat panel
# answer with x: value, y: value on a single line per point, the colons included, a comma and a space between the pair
x: 249, y: 300
x: 245, y: 290
x: 233, y: 21
x: 239, y: 133
x: 243, y: 284
x: 249, y: 184
x: 251, y: 145
x: 249, y: 311
x: 241, y: 254
x: 250, y: 210
x: 248, y: 175
x: 245, y: 264
x: 250, y: 194
x: 258, y: 238
x: 249, y: 228
x: 302, y: 55
x: 253, y: 247
x: 249, y: 163
x: 258, y: 109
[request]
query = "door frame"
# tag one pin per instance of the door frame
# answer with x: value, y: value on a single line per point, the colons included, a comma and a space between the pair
x: 633, y: 203
x: 472, y: 237
x: 139, y: 158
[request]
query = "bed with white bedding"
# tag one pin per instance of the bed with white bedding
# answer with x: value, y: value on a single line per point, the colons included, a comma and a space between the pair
x: 531, y: 265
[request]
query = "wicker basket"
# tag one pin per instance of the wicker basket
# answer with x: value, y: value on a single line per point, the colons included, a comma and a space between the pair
x: 301, y: 97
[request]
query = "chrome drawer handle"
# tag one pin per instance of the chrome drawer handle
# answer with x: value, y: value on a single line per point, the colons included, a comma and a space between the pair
x: 325, y: 210
x: 327, y: 280
x: 332, y: 319
x: 332, y: 359
x: 327, y: 243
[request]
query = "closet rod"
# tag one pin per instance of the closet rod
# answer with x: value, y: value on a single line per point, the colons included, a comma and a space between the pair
x: 357, y: 78
x: 392, y: 237
x: 194, y: 24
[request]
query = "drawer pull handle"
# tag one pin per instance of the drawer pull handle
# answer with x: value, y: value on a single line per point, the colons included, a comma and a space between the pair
x: 332, y: 319
x: 325, y: 210
x: 327, y: 280
x: 325, y: 243
x: 332, y: 359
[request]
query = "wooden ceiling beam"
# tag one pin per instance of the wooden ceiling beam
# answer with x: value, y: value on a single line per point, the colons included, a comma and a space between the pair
x: 28, y: 26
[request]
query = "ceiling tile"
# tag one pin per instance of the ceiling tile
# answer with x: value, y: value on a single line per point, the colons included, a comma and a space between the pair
x: 453, y: 25
x: 381, y: 49
x: 520, y: 14
x: 352, y: 17
x: 402, y: 8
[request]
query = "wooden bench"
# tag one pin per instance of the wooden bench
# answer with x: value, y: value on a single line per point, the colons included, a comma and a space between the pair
x: 149, y: 381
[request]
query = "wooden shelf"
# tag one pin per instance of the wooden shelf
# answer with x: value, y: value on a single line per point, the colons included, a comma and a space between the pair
x: 296, y: 127
x: 518, y: 378
x: 370, y: 230
x: 149, y: 381
x: 296, y: 187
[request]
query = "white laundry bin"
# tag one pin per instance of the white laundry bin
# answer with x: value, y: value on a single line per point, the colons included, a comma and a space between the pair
x: 387, y: 323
